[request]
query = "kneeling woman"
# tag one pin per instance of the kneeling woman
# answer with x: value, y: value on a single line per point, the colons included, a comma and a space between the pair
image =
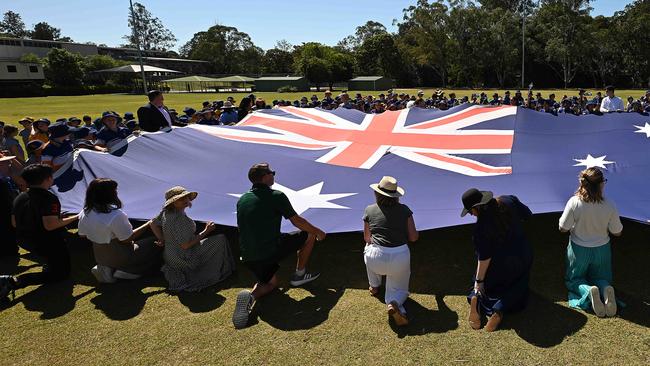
x: 591, y: 219
x: 388, y: 227
x: 104, y: 223
x: 192, y: 262
x: 504, y: 257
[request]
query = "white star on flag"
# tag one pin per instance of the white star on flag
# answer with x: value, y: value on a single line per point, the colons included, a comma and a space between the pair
x: 591, y: 162
x: 310, y: 197
x: 644, y: 129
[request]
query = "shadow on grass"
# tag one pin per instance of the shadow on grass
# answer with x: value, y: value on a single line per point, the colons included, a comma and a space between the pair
x: 52, y: 300
x: 281, y: 311
x: 124, y: 300
x: 544, y: 323
x: 423, y: 321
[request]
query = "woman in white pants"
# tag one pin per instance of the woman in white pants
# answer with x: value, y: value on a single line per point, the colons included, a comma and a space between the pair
x: 388, y: 227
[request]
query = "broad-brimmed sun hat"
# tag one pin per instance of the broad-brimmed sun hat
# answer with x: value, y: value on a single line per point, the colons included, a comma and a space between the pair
x: 474, y: 198
x: 388, y: 187
x: 174, y: 194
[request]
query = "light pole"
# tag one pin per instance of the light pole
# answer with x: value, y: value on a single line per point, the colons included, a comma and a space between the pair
x: 137, y: 37
x: 523, y: 46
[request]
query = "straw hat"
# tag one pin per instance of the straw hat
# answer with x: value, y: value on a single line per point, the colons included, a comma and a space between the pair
x: 387, y: 186
x: 174, y: 194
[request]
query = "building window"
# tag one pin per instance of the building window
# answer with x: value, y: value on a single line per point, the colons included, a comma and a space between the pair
x: 11, y: 68
x: 33, y: 69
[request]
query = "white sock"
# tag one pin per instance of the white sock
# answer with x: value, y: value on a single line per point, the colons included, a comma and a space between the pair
x: 301, y: 272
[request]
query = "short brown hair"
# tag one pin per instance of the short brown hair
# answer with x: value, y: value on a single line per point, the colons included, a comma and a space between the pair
x: 258, y: 171
x: 589, y: 187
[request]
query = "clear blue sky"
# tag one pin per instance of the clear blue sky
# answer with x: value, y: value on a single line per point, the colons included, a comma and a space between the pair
x: 266, y: 21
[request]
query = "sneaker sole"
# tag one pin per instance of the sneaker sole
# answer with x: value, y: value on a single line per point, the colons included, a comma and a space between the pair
x: 302, y: 282
x: 474, y: 317
x: 610, y: 302
x: 240, y: 316
x: 596, y: 304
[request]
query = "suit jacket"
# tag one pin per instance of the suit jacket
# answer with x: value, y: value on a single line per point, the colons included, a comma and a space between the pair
x: 150, y: 118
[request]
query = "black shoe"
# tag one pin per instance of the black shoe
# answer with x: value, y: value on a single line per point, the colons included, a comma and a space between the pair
x: 7, y: 286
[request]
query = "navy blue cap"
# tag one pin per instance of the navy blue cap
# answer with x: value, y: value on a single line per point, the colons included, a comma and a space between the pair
x: 35, y: 144
x: 58, y: 129
x: 109, y: 114
x: 74, y: 119
x: 80, y: 132
x: 128, y: 116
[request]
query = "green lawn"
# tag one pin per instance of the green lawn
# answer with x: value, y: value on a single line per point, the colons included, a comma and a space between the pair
x: 333, y: 321
x: 12, y: 109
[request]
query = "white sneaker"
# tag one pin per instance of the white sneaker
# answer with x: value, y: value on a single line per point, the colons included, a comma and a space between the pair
x: 103, y: 274
x: 610, y: 302
x: 125, y: 275
x: 596, y: 303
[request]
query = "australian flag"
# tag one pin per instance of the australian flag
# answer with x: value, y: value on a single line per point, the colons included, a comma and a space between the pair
x: 326, y: 160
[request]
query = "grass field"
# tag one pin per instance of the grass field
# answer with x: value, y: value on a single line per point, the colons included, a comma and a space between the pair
x: 12, y: 109
x: 333, y: 321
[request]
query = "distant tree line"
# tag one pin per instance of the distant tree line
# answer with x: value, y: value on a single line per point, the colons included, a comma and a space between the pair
x: 460, y: 43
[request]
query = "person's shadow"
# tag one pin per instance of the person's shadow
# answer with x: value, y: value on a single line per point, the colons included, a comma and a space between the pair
x: 544, y: 323
x: 423, y: 321
x: 124, y: 300
x: 283, y: 312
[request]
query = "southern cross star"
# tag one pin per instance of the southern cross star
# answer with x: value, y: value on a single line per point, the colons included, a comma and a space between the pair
x: 644, y: 129
x: 591, y: 162
x: 310, y: 197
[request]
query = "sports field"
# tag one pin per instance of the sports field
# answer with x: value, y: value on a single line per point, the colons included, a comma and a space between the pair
x: 12, y: 109
x: 333, y: 321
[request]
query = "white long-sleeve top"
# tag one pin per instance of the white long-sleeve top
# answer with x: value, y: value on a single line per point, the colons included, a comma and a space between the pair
x: 612, y: 104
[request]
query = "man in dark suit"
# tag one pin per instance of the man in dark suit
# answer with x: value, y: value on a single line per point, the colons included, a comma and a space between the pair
x: 154, y: 116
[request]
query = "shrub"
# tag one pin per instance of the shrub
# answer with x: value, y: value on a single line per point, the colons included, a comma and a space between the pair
x: 287, y: 89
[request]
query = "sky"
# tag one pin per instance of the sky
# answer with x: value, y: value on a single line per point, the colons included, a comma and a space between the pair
x: 265, y: 21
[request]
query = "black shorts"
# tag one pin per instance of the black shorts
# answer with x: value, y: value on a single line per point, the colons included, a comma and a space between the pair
x: 288, y: 244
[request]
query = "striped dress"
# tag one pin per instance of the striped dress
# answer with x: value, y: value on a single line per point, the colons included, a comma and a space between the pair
x: 196, y: 268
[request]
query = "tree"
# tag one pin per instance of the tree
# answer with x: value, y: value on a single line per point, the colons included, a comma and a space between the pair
x: 362, y: 33
x: 561, y: 27
x: 423, y: 36
x: 31, y: 58
x: 320, y: 63
x: 63, y: 68
x: 227, y: 49
x: 631, y: 27
x: 277, y: 61
x: 12, y: 25
x: 45, y: 32
x: 148, y: 31
x: 379, y: 55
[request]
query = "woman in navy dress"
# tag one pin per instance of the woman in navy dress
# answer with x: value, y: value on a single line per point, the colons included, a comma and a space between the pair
x: 504, y: 257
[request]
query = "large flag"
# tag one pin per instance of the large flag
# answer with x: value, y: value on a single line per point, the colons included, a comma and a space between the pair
x: 326, y: 160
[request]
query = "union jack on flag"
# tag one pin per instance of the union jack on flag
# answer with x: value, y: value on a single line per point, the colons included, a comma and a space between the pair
x: 436, y: 142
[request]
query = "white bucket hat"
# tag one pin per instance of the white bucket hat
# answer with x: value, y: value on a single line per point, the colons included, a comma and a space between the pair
x: 388, y: 187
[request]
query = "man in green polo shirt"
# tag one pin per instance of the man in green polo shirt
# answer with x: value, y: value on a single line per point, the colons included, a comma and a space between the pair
x: 263, y: 246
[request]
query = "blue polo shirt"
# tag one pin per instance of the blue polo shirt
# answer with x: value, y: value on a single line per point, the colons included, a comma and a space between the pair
x: 57, y: 153
x: 229, y: 116
x: 110, y: 138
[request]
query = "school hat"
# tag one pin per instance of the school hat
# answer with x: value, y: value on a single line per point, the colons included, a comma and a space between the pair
x: 109, y: 114
x: 388, y: 187
x: 227, y: 105
x: 58, y: 129
x: 26, y: 119
x: 189, y: 111
x: 34, y: 145
x: 474, y: 198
